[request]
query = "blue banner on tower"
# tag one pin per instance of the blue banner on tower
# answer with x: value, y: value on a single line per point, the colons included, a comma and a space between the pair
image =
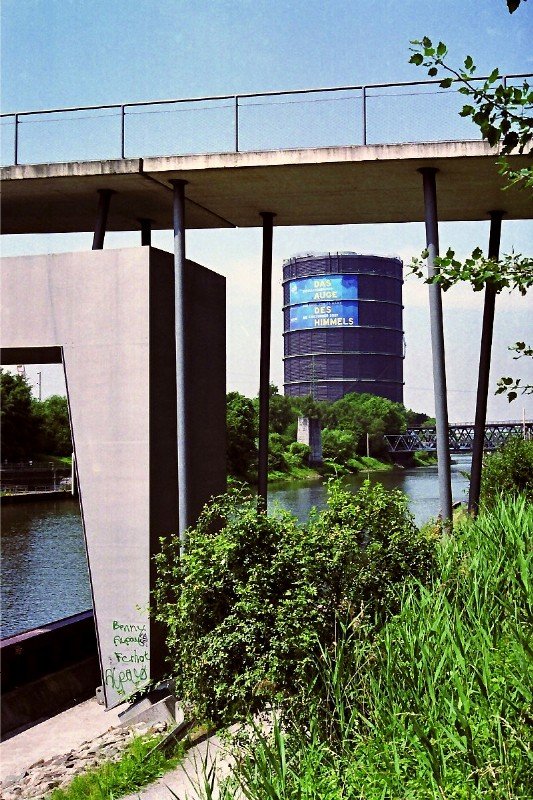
x: 323, y: 302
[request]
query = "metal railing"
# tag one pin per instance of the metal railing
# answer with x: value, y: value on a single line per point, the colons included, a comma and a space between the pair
x: 360, y: 96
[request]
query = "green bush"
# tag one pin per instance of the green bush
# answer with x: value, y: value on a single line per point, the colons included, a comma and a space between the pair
x: 254, y: 596
x: 338, y: 445
x: 436, y: 704
x: 297, y: 454
x: 508, y: 471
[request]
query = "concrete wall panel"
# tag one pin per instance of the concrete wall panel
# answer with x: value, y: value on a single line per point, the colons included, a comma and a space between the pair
x: 112, y: 313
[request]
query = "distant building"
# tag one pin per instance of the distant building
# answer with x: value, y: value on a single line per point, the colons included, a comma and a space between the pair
x: 343, y: 326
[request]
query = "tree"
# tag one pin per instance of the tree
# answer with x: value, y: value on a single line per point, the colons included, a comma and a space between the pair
x: 241, y: 421
x: 19, y: 424
x: 366, y: 413
x: 54, y: 434
x: 280, y: 411
x: 338, y: 445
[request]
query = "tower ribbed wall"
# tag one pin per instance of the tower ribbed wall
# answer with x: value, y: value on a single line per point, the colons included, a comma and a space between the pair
x: 343, y: 326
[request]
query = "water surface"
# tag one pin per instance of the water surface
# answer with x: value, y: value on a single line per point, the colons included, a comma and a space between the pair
x: 44, y: 565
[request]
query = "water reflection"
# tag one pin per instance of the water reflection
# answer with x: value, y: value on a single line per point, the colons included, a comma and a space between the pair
x: 420, y: 485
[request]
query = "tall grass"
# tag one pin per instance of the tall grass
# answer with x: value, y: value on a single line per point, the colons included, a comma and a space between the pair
x: 438, y: 704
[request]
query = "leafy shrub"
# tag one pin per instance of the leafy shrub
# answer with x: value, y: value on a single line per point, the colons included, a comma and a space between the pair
x: 436, y: 704
x: 241, y: 425
x: 276, y: 453
x: 254, y: 596
x: 508, y: 471
x: 297, y: 454
x: 373, y: 544
x: 338, y: 445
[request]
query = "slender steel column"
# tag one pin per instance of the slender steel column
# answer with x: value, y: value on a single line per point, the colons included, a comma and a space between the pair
x: 264, y: 361
x: 484, y: 368
x: 101, y: 218
x: 437, y: 344
x: 179, y: 294
x: 146, y: 232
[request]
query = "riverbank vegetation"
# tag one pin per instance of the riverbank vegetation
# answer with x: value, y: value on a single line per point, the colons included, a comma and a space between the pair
x: 246, y: 604
x: 387, y: 661
x: 436, y: 702
x: 353, y: 431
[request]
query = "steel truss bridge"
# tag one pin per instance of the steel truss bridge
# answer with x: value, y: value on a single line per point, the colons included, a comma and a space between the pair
x: 461, y: 437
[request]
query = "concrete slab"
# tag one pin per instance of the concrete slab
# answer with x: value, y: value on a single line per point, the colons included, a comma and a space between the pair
x: 56, y: 735
x: 318, y: 186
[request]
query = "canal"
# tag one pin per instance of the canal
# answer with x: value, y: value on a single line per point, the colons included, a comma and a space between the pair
x: 44, y: 567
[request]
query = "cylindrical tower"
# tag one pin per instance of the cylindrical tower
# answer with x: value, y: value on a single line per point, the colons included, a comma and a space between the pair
x: 343, y: 326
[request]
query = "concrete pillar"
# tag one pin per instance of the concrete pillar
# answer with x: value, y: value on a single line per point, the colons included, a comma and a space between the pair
x: 146, y: 232
x: 101, y: 218
x: 264, y: 360
x: 484, y: 368
x: 437, y: 344
x: 181, y: 382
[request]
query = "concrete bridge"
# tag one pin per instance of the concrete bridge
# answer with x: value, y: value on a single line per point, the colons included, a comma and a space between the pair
x: 461, y: 437
x: 132, y: 327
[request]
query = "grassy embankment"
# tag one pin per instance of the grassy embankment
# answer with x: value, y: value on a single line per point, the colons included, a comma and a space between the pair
x: 141, y: 763
x: 350, y: 467
x: 438, y: 703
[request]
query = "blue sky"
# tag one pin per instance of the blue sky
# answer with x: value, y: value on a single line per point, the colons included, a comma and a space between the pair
x: 66, y: 52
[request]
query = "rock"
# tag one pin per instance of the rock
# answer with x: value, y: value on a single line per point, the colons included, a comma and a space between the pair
x: 11, y: 779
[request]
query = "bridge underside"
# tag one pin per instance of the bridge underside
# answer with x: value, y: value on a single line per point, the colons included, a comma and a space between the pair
x: 325, y: 186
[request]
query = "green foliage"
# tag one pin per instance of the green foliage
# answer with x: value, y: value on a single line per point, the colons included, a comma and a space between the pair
x: 366, y: 413
x: 19, y: 424
x: 436, y: 704
x: 276, y: 453
x: 297, y: 454
x: 512, y: 387
x: 510, y: 272
x: 508, y: 471
x: 338, y: 445
x: 280, y: 411
x: 415, y: 419
x: 241, y: 426
x: 30, y: 427
x: 307, y: 406
x: 502, y: 114
x: 255, y: 595
x: 138, y: 765
x: 498, y: 110
x: 54, y: 426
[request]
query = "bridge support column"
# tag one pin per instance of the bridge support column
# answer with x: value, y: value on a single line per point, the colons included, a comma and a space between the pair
x: 484, y: 368
x: 146, y: 232
x: 264, y: 361
x: 437, y: 344
x: 101, y: 219
x: 184, y: 518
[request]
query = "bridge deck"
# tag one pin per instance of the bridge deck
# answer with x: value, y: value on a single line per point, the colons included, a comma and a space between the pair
x: 340, y: 185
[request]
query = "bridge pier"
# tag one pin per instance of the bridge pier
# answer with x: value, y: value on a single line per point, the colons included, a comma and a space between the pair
x: 437, y: 343
x: 264, y: 359
x: 484, y: 368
